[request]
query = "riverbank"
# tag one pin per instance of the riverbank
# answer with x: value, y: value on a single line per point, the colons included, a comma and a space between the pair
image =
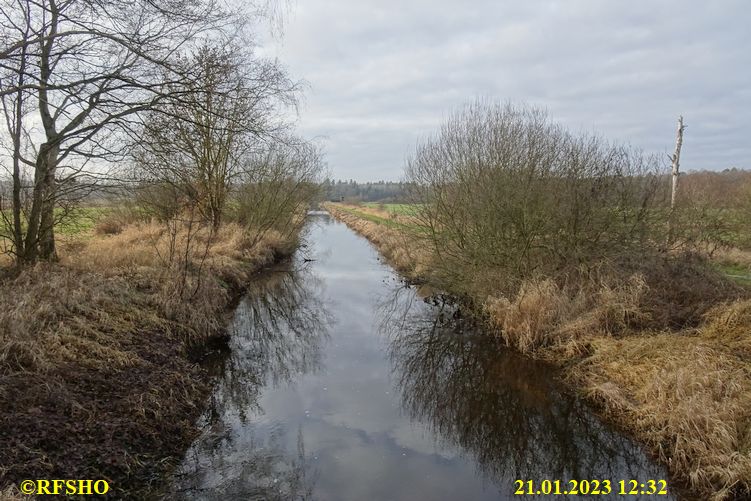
x: 96, y: 376
x: 685, y: 393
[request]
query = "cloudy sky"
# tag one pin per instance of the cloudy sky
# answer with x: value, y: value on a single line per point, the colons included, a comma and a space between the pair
x: 384, y: 73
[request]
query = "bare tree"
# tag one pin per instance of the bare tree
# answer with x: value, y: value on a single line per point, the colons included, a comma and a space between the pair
x: 14, y: 110
x: 200, y: 145
x: 277, y: 185
x: 676, y: 161
x: 87, y: 70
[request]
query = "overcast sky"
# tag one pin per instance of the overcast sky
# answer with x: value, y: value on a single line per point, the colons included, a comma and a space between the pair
x: 384, y: 73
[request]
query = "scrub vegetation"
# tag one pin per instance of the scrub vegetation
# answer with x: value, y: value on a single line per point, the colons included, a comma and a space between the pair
x: 148, y: 170
x: 568, y: 246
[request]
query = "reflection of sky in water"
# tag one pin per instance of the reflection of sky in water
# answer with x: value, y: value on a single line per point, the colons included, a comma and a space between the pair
x: 342, y: 384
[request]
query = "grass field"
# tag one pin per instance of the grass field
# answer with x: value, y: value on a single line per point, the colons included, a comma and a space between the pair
x: 401, y: 209
x: 81, y: 220
x: 76, y: 221
x: 386, y: 217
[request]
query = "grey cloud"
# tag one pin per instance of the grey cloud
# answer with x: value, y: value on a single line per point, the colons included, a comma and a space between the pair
x: 384, y: 73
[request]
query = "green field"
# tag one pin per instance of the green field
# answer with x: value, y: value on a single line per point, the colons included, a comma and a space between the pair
x: 372, y: 217
x: 401, y: 209
x: 737, y: 272
x: 69, y: 222
x: 388, y: 222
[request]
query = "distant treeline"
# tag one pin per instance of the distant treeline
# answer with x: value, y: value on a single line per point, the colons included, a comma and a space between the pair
x: 728, y: 187
x: 351, y: 191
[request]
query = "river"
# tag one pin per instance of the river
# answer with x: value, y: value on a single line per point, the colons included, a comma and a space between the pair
x: 342, y: 383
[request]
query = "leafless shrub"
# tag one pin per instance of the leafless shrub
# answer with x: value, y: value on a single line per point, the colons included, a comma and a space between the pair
x: 504, y: 188
x: 276, y: 186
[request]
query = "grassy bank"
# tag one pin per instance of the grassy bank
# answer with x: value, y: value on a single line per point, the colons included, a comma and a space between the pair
x: 663, y: 352
x: 96, y: 376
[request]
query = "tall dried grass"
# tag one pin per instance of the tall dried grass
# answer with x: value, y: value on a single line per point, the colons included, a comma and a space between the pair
x: 121, y: 283
x: 53, y: 315
x: 147, y: 245
x: 544, y: 313
x: 94, y: 350
x: 687, y: 399
x: 729, y: 325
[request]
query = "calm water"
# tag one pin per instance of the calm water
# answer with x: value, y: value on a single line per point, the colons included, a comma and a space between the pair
x: 343, y: 384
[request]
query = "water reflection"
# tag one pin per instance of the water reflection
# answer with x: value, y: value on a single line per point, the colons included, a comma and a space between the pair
x: 278, y: 333
x: 397, y: 400
x: 505, y: 411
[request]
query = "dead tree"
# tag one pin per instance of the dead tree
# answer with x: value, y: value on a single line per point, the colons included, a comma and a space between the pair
x: 675, y: 164
x: 675, y: 170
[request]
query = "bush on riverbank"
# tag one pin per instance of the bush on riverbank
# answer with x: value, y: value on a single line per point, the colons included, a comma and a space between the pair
x: 503, y: 189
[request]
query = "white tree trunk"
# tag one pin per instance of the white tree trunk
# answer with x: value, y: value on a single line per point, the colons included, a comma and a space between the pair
x: 676, y: 161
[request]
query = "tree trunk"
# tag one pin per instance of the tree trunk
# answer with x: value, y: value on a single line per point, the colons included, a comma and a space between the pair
x: 676, y: 162
x: 675, y: 168
x: 40, y: 239
x: 47, y: 250
x: 18, y: 241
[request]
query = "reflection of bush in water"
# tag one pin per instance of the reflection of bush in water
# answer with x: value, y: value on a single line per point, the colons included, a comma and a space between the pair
x: 277, y: 333
x: 267, y: 472
x: 503, y: 409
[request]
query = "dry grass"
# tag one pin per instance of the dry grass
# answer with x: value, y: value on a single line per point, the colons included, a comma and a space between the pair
x: 729, y: 325
x: 95, y: 376
x: 403, y: 251
x: 686, y: 398
x: 685, y: 393
x: 733, y: 256
x: 147, y: 245
x: 11, y: 493
x: 401, y: 218
x: 544, y: 313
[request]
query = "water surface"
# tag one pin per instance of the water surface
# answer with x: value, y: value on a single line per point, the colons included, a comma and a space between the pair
x: 342, y: 383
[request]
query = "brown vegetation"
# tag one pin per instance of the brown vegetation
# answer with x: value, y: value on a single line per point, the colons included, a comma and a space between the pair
x: 187, y: 125
x: 571, y: 248
x: 687, y: 396
x: 96, y: 379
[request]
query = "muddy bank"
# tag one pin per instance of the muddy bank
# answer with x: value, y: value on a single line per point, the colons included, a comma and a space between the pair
x: 98, y: 372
